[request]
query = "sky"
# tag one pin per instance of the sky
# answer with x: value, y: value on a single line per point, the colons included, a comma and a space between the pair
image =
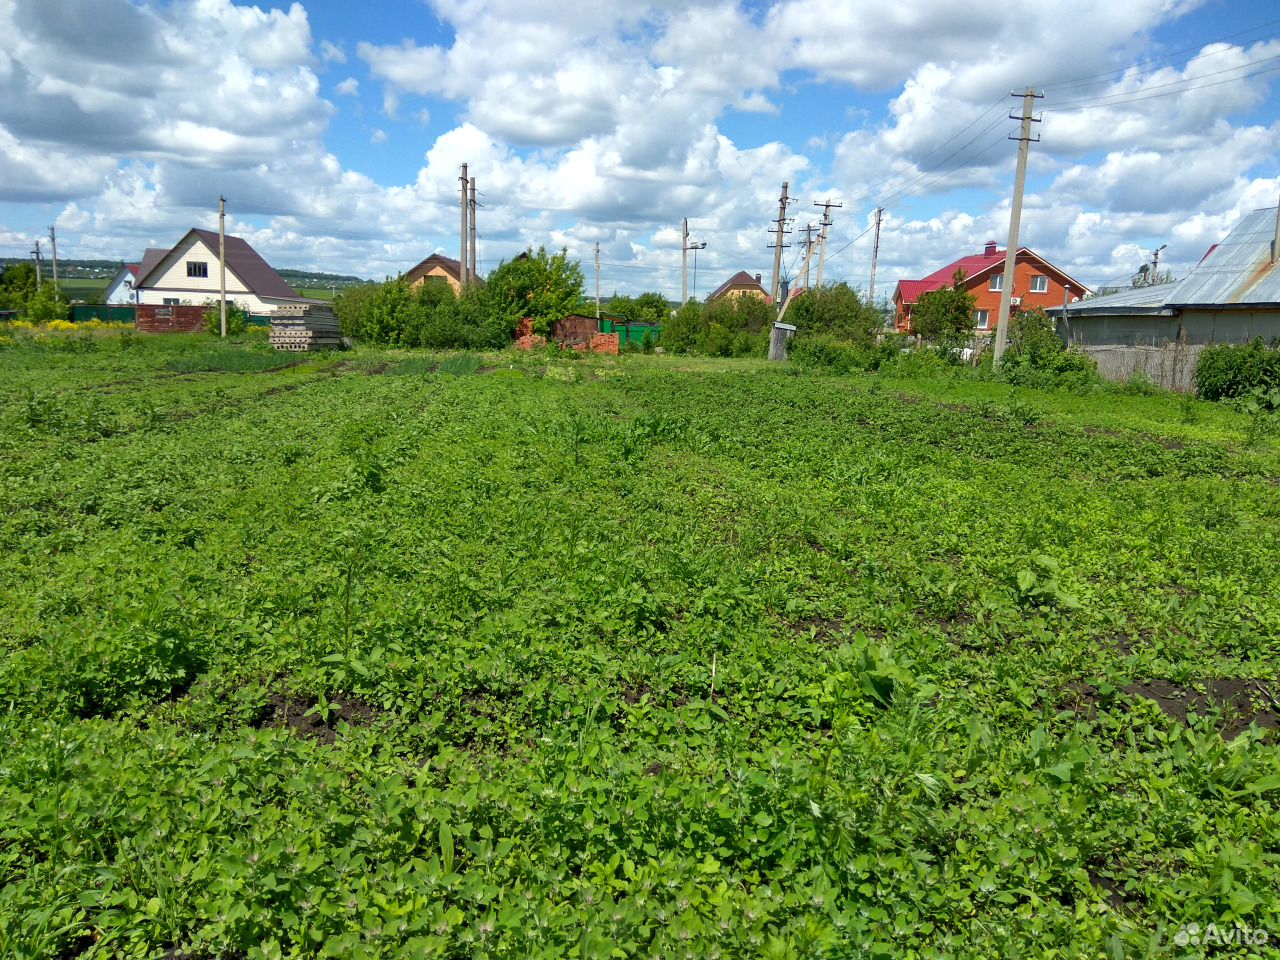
x: 335, y: 130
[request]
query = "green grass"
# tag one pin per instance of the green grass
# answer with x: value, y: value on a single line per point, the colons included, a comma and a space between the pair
x: 637, y: 656
x: 316, y: 293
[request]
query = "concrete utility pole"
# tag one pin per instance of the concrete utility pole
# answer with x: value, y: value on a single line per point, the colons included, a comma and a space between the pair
x: 826, y: 206
x: 597, y: 279
x: 695, y: 247
x: 875, y: 256
x: 53, y: 242
x: 780, y: 231
x: 36, y: 253
x: 222, y: 265
x: 1015, y: 217
x: 1155, y: 263
x: 464, y: 260
x: 684, y: 262
x: 808, y: 244
x: 472, y: 269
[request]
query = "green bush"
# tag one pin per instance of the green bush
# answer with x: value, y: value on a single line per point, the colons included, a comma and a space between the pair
x: 1233, y: 370
x: 829, y: 354
x: 237, y: 319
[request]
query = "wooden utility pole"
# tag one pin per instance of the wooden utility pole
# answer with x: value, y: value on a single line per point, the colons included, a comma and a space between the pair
x: 473, y: 228
x: 875, y: 256
x: 53, y: 242
x: 826, y: 206
x: 464, y: 260
x: 222, y: 266
x: 779, y: 232
x: 597, y: 279
x: 684, y: 262
x: 36, y: 253
x: 1024, y: 138
x: 1155, y: 263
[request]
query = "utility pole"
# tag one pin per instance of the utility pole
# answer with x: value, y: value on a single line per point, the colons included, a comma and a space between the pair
x: 222, y: 265
x: 1015, y: 217
x: 826, y: 206
x: 36, y: 253
x: 473, y: 228
x: 875, y: 256
x: 463, y: 260
x: 808, y: 243
x: 780, y: 231
x: 1155, y: 263
x: 597, y: 279
x: 684, y: 262
x: 53, y: 242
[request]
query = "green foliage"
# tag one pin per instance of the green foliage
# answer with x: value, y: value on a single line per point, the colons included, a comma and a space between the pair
x: 728, y: 327
x: 544, y: 287
x: 836, y: 311
x: 237, y: 319
x: 831, y: 354
x: 17, y: 286
x: 651, y: 308
x: 652, y: 658
x: 46, y: 305
x: 1224, y: 371
x: 352, y: 306
x: 944, y: 317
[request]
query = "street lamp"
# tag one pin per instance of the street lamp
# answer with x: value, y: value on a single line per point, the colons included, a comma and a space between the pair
x: 695, y: 247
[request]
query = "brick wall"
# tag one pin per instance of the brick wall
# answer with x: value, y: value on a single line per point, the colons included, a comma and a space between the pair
x: 605, y: 343
x: 157, y: 319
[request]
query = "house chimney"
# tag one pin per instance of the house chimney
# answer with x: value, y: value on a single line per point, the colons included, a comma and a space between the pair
x: 990, y: 251
x: 757, y: 278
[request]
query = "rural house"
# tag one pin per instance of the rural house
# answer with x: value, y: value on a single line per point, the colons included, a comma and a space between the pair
x: 741, y: 284
x: 1231, y: 296
x: 120, y: 290
x: 188, y: 274
x: 1036, y: 283
x: 436, y: 267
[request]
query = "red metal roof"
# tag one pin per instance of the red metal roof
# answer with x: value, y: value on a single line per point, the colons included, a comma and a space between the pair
x: 973, y: 266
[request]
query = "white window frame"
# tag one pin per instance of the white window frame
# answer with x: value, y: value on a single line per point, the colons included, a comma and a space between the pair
x: 981, y: 319
x: 171, y: 302
x: 1040, y: 283
x: 997, y: 282
x: 198, y: 269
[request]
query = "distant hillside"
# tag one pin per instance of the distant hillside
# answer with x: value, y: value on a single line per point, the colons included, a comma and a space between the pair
x: 106, y: 269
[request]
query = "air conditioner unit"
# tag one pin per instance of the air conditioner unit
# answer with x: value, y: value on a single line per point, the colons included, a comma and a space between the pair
x: 1015, y: 301
x: 1075, y: 299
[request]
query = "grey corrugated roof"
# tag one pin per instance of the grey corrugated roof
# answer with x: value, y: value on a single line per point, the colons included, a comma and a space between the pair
x: 1237, y: 271
x: 1135, y: 301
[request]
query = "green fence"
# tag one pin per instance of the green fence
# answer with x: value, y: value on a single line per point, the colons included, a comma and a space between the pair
x: 109, y: 312
x: 630, y: 332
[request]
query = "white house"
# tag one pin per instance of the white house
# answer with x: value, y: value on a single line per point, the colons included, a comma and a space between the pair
x: 120, y: 289
x: 188, y: 274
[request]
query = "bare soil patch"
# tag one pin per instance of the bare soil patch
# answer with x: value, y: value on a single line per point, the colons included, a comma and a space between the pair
x: 287, y: 710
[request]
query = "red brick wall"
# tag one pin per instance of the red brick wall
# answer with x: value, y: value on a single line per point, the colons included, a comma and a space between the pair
x: 156, y: 319
x: 605, y: 343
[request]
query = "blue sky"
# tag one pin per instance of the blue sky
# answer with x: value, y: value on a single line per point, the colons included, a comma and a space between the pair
x: 335, y: 130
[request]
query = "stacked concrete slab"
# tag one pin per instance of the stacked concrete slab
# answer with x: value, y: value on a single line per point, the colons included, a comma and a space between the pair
x: 305, y: 326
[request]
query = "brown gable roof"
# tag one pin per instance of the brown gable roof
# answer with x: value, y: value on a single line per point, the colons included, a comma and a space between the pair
x: 739, y: 279
x: 255, y: 273
x: 452, y: 267
x: 150, y: 258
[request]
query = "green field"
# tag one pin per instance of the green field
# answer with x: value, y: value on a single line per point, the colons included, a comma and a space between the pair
x: 88, y: 289
x: 316, y: 293
x: 387, y: 654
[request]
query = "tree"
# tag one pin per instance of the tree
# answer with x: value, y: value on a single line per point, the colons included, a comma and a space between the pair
x: 537, y: 285
x: 837, y: 312
x: 944, y: 317
x: 680, y: 334
x: 17, y: 285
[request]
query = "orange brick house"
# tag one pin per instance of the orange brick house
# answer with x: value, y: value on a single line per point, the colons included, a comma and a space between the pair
x: 1036, y: 283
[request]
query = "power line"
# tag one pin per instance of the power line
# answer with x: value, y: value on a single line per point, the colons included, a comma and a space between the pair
x: 1186, y: 84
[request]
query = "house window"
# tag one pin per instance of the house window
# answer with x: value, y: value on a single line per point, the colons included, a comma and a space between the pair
x: 997, y: 281
x: 171, y: 301
x: 197, y: 268
x: 1039, y: 284
x: 981, y: 318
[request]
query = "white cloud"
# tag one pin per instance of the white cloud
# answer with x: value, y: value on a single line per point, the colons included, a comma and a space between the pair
x: 378, y: 136
x: 348, y: 87
x: 331, y: 53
